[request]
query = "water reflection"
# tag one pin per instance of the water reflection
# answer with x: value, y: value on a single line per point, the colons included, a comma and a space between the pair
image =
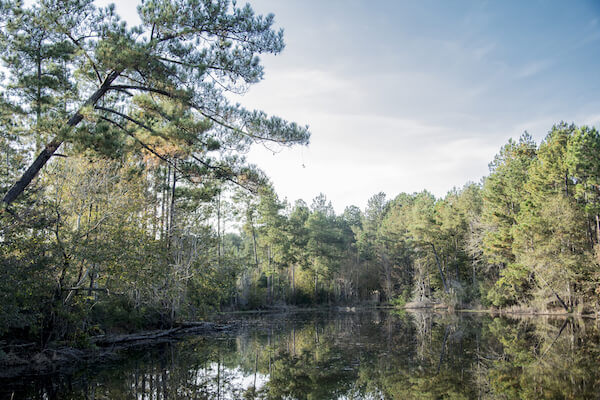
x: 364, y: 355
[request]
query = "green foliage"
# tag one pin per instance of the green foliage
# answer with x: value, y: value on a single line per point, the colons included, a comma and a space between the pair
x: 136, y: 225
x: 503, y: 192
x: 399, y: 302
x: 118, y: 233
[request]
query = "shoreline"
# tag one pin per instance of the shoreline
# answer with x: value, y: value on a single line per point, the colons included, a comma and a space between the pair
x: 524, y: 312
x: 51, y: 360
x: 26, y: 360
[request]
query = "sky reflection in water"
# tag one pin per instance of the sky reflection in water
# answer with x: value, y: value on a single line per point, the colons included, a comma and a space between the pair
x: 363, y: 355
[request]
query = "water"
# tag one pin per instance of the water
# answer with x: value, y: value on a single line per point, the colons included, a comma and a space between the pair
x: 362, y: 355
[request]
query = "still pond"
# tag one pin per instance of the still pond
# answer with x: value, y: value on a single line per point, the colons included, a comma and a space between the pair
x: 374, y: 354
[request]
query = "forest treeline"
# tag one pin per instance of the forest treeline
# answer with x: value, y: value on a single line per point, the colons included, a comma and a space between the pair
x: 128, y: 202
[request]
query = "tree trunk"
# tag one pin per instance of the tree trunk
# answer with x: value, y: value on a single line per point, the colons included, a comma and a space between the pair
x: 439, y: 265
x: 172, y: 208
x: 163, y: 205
x: 316, y: 283
x: 270, y: 269
x: 38, y: 100
x: 294, y: 283
x: 255, y: 371
x: 254, y: 245
x: 562, y: 303
x: 446, y: 332
x: 55, y: 143
x: 219, y: 230
x: 597, y: 229
x: 357, y: 276
x: 155, y: 207
x: 456, y: 258
x: 167, y: 202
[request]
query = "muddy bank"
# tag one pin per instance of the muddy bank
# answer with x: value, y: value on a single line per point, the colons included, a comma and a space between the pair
x: 27, y: 359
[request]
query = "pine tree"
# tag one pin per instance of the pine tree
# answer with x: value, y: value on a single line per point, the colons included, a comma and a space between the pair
x: 152, y: 86
x: 583, y: 164
x: 503, y: 192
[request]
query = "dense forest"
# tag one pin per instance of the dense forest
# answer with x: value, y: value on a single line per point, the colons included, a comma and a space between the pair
x: 128, y: 202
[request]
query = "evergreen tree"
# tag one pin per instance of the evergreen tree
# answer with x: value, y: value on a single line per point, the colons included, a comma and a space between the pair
x: 550, y: 238
x: 583, y: 164
x: 157, y: 84
x: 503, y: 192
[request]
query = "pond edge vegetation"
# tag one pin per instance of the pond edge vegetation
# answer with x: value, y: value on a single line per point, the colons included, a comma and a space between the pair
x: 150, y: 214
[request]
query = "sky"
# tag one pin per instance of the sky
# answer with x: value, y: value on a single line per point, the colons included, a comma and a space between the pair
x: 402, y: 96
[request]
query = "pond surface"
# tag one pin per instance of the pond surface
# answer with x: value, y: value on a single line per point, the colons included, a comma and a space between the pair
x: 363, y: 355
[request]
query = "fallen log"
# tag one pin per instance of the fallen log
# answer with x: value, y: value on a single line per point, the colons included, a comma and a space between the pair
x: 186, y: 328
x: 105, y: 340
x: 23, y: 359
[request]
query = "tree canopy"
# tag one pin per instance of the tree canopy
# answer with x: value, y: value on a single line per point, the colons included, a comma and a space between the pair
x: 81, y: 76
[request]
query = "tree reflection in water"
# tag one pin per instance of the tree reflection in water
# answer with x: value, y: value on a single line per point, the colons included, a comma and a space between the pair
x: 363, y: 355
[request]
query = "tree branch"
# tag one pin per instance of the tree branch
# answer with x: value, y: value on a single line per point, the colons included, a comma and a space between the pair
x: 55, y: 143
x: 76, y: 43
x: 148, y: 148
x: 196, y: 107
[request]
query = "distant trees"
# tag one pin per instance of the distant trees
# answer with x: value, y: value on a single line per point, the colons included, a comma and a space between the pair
x: 145, y: 216
x: 527, y: 236
x: 553, y: 233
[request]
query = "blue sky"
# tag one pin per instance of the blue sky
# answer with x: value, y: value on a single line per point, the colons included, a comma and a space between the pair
x: 409, y: 95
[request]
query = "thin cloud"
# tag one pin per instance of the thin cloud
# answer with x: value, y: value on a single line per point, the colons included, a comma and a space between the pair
x: 533, y: 68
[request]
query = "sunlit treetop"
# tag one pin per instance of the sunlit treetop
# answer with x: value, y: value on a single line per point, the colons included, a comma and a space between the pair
x: 79, y: 74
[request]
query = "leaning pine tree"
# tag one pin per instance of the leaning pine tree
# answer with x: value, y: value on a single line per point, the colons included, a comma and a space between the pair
x: 83, y: 77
